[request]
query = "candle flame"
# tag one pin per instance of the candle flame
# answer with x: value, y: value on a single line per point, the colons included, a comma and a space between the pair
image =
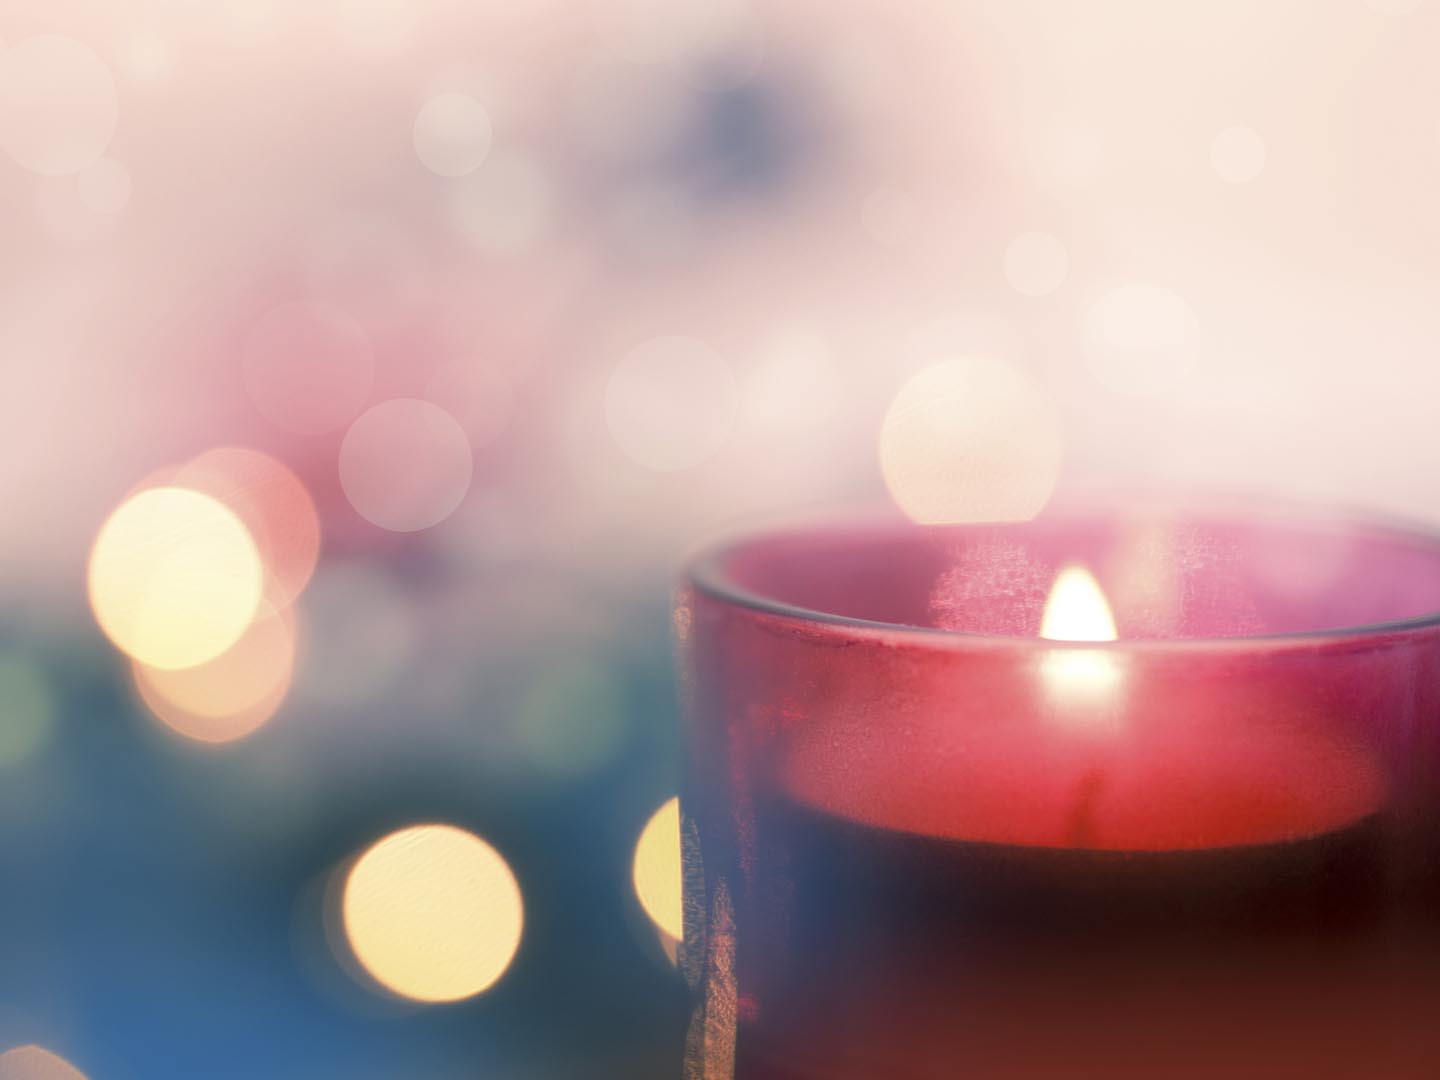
x: 1077, y: 609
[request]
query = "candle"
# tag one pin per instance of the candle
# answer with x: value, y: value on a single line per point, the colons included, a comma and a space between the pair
x: 943, y: 854
x: 1061, y: 760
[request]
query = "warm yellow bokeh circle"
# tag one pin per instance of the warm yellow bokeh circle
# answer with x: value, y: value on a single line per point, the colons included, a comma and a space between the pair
x: 970, y: 439
x: 229, y: 697
x: 656, y: 870
x: 433, y: 913
x: 174, y: 577
x: 36, y: 1063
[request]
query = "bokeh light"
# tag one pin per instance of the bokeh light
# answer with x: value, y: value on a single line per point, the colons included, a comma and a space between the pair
x: 452, y: 134
x: 232, y: 695
x: 1237, y: 154
x: 656, y: 870
x: 146, y: 58
x: 105, y: 186
x: 406, y: 465
x: 36, y: 1063
x: 970, y: 439
x: 670, y: 403
x: 27, y: 710
x: 273, y: 503
x: 794, y: 383
x: 660, y: 32
x: 1036, y: 263
x: 433, y: 913
x: 1140, y: 339
x: 504, y: 207
x: 308, y: 366
x: 174, y: 577
x: 573, y: 719
x: 58, y: 106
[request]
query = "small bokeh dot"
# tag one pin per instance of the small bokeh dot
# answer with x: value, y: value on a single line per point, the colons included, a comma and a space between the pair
x: 670, y: 403
x: 1140, y: 338
x: 1036, y: 263
x: 504, y: 207
x: 58, y: 104
x: 406, y: 464
x: 970, y: 439
x: 1237, y: 155
x: 452, y: 134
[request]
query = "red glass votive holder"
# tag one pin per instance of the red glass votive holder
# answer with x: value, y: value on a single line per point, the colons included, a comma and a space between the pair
x: 921, y: 840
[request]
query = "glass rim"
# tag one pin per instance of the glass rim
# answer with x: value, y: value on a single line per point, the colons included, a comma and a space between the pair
x: 705, y: 572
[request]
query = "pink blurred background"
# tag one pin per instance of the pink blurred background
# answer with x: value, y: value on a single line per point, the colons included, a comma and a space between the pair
x: 823, y: 243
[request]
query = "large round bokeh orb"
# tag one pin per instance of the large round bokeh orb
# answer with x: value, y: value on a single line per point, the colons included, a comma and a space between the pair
x: 433, y: 913
x: 174, y: 578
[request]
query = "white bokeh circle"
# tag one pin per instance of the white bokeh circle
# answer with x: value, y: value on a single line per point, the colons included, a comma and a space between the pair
x: 670, y: 403
x: 1237, y: 155
x: 1140, y: 339
x: 505, y: 207
x: 452, y: 134
x: 970, y: 439
x: 405, y: 464
x: 1036, y: 263
x: 58, y: 104
x: 659, y: 32
x: 146, y: 58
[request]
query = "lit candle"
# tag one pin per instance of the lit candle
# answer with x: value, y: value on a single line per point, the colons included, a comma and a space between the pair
x: 1083, y: 758
x: 1077, y: 611
x: 930, y: 854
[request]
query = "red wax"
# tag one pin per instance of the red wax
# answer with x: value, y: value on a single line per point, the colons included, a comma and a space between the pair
x: 1179, y: 779
x: 922, y: 843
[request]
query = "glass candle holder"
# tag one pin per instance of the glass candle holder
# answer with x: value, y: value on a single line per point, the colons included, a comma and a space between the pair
x: 935, y: 824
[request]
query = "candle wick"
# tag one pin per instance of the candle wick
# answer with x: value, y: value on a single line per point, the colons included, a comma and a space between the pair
x: 1080, y: 831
